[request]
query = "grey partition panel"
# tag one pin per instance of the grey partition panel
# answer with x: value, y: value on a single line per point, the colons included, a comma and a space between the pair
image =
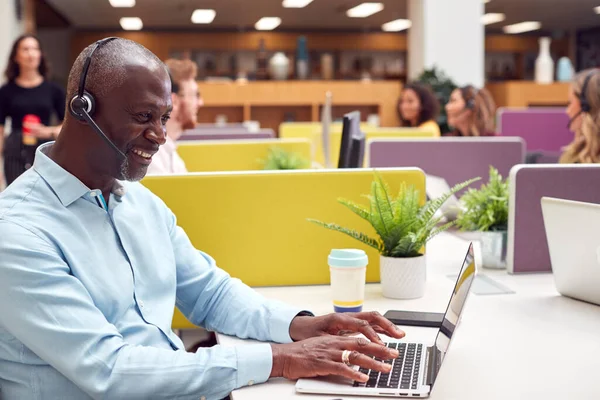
x: 527, y: 245
x: 454, y: 159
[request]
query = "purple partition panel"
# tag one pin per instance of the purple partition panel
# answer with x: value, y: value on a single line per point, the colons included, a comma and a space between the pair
x: 226, y: 135
x: 454, y: 159
x: 541, y: 128
x: 527, y: 249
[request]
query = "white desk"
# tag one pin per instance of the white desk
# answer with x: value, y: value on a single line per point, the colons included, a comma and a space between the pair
x: 534, y: 344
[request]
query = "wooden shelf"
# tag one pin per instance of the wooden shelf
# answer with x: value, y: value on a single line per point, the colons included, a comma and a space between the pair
x: 233, y: 113
x: 272, y: 116
x: 273, y: 102
x: 529, y: 94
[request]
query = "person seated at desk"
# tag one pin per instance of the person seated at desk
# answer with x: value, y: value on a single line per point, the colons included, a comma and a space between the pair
x: 471, y: 112
x: 92, y: 265
x: 186, y: 101
x: 419, y: 108
x: 584, y: 119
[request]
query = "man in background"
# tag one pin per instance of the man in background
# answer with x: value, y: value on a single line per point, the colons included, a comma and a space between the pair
x: 186, y: 101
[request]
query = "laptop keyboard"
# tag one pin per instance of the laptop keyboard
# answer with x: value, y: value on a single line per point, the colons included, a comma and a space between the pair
x: 405, y: 369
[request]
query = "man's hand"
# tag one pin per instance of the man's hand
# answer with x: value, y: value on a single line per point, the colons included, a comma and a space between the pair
x: 370, y: 324
x: 322, y: 356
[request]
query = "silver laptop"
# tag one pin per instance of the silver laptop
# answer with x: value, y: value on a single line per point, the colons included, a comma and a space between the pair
x: 573, y: 234
x: 415, y: 370
x: 435, y: 187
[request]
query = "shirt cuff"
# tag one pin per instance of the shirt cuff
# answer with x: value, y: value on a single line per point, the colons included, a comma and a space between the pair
x: 254, y: 364
x: 280, y: 321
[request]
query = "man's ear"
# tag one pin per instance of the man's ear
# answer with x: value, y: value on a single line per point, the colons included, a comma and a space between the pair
x: 176, y: 102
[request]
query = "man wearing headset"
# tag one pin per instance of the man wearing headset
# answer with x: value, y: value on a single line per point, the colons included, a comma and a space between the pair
x: 92, y: 265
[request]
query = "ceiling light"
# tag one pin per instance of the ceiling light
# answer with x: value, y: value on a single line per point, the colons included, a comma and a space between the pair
x: 492, y: 18
x: 597, y: 10
x: 396, y: 25
x: 203, y: 16
x: 131, y: 23
x: 486, y: 1
x: 122, y: 3
x: 267, y: 23
x: 521, y: 27
x: 296, y: 3
x: 364, y: 10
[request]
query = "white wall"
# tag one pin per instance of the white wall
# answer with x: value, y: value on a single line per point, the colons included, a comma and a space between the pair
x: 447, y: 34
x: 10, y: 29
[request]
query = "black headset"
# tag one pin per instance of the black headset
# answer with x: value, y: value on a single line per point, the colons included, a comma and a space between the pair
x: 83, y: 104
x: 469, y: 104
x: 585, y: 106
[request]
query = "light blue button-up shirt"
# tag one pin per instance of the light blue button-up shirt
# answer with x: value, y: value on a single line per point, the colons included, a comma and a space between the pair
x: 87, y: 293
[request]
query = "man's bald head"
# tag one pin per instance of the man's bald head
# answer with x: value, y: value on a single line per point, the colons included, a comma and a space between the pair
x: 108, y: 69
x: 133, y: 103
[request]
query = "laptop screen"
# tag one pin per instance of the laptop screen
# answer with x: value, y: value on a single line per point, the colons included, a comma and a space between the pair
x: 455, y: 307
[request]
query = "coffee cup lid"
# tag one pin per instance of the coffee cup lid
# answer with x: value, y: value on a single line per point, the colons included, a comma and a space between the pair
x: 348, y: 258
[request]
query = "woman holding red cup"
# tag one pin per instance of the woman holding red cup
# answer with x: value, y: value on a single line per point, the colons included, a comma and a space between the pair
x: 30, y: 100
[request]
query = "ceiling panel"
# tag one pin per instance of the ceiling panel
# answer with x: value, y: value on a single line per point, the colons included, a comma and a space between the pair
x: 320, y: 14
x: 231, y: 14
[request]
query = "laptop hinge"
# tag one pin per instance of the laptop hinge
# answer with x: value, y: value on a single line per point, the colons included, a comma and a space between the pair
x: 430, y: 366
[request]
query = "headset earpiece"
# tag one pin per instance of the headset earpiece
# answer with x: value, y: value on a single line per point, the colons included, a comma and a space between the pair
x: 470, y: 103
x: 583, y: 101
x: 80, y: 103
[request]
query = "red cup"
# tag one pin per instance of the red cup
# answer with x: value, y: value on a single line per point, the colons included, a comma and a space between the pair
x: 28, y: 138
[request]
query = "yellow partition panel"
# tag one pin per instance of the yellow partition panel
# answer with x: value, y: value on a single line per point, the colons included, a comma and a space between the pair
x: 236, y: 155
x: 335, y: 139
x: 255, y: 223
x: 312, y: 131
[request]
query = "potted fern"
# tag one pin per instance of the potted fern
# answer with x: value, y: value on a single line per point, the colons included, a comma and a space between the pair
x: 279, y: 158
x: 485, y: 211
x: 403, y: 226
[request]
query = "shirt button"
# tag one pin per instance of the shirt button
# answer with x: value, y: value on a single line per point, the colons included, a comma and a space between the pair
x: 141, y: 304
x: 250, y: 383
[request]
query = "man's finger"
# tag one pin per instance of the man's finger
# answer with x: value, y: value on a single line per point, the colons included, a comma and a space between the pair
x: 364, y: 346
x: 375, y: 318
x: 341, y: 369
x: 363, y: 327
x: 368, y: 362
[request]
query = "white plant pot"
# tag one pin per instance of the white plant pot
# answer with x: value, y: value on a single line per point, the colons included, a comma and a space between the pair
x: 403, y: 278
x: 493, y: 249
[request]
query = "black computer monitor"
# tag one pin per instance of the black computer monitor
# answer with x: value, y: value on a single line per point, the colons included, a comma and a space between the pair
x: 352, y: 145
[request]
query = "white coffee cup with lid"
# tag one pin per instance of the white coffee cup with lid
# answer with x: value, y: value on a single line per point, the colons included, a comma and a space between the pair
x: 348, y: 269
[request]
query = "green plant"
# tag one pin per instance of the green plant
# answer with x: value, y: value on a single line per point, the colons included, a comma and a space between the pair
x: 279, y: 158
x: 442, y: 86
x: 402, y: 225
x: 486, y: 209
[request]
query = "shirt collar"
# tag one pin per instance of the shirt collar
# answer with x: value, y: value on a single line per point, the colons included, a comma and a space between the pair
x: 65, y: 185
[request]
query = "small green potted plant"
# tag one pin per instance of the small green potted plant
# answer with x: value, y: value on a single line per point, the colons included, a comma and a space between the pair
x: 279, y: 158
x: 485, y: 211
x: 403, y: 227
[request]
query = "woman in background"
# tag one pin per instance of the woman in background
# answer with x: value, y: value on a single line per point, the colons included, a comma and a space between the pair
x: 584, y: 119
x: 186, y: 101
x: 30, y: 100
x: 471, y: 112
x: 419, y: 108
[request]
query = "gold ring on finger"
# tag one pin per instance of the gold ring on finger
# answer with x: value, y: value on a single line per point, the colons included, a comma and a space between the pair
x: 346, y: 357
